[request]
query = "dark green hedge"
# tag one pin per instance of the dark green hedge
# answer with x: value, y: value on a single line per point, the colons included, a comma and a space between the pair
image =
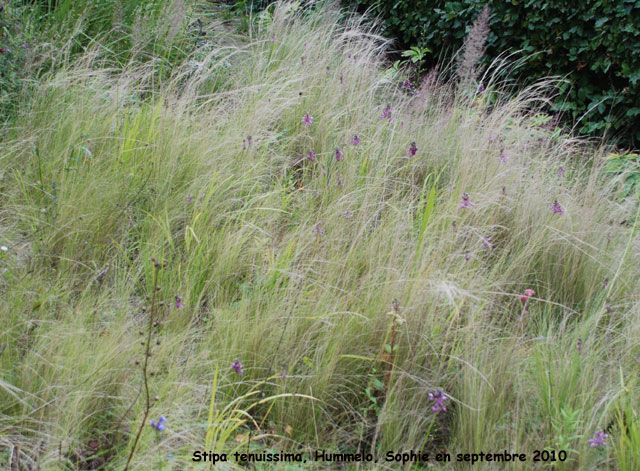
x: 596, y: 44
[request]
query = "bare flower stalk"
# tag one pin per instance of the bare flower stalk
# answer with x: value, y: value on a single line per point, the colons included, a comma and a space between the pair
x: 152, y: 323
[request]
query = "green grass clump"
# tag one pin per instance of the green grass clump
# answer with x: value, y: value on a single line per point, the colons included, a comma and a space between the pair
x: 291, y: 265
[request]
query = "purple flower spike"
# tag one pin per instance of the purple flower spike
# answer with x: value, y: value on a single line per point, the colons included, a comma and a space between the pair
x: 318, y: 230
x: 160, y: 424
x: 503, y: 156
x: 407, y: 85
x: 338, y: 155
x: 386, y: 113
x: 413, y: 149
x: 355, y: 140
x: 465, y: 202
x: 561, y: 171
x: 480, y: 89
x: 311, y: 156
x: 179, y: 304
x: 598, y: 440
x: 556, y: 208
x: 307, y: 120
x: 438, y: 397
x: 486, y: 244
x: 237, y: 367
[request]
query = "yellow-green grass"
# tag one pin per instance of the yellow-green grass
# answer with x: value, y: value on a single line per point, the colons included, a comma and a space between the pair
x: 285, y: 269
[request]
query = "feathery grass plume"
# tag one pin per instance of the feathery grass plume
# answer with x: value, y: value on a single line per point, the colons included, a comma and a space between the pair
x: 472, y: 51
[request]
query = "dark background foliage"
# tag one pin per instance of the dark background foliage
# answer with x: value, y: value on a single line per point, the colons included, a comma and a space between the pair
x: 595, y: 44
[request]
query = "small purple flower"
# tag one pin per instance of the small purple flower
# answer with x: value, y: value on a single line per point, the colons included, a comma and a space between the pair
x: 347, y: 214
x: 579, y: 346
x: 439, y: 397
x: 249, y: 141
x: 467, y: 257
x: 486, y: 243
x: 386, y: 113
x: 465, y: 202
x: 311, y: 156
x: 179, y: 304
x: 605, y: 283
x: 413, y: 149
x: 598, y: 440
x: 556, y: 208
x: 407, y: 85
x: 237, y: 367
x: 160, y: 424
x: 355, y: 140
x: 340, y: 182
x: 338, y: 155
x: 480, y: 89
x: 307, y: 120
x: 561, y: 171
x: 503, y: 156
x: 318, y: 230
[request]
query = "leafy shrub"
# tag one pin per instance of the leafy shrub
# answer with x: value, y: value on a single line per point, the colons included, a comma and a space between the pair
x: 595, y: 44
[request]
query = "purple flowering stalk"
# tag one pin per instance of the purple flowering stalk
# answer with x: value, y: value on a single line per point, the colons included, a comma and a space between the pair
x: 355, y: 140
x: 307, y: 119
x: 465, y: 201
x: 160, y: 424
x: 598, y: 440
x: 311, y: 156
x: 237, y: 367
x: 338, y: 155
x: 386, y: 113
x: 556, y: 208
x: 413, y: 149
x: 438, y: 397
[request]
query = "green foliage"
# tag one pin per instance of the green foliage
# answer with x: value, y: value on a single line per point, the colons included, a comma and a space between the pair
x: 624, y: 168
x: 595, y: 44
x: 14, y: 46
